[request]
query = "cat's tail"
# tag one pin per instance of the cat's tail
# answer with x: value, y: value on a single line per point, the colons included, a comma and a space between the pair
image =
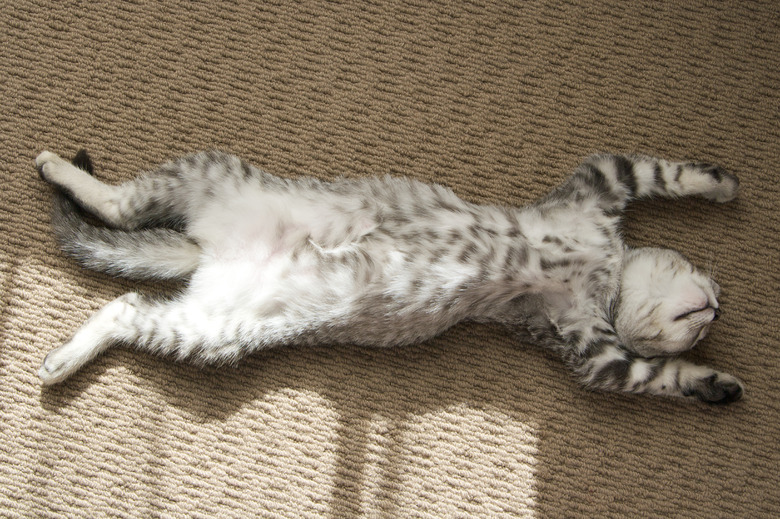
x: 157, y: 253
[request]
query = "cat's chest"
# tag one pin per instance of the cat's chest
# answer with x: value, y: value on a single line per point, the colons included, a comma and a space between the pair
x: 482, y: 258
x: 578, y: 259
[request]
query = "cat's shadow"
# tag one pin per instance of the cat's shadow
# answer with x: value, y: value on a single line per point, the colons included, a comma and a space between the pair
x: 478, y: 366
x: 457, y: 365
x: 473, y: 365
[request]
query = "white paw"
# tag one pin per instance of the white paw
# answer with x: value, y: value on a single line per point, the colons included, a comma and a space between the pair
x: 728, y: 189
x: 726, y: 185
x: 47, y: 156
x: 50, y: 165
x: 58, y: 365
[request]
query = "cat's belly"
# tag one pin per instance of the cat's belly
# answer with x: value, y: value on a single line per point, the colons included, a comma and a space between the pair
x: 256, y: 222
x: 281, y: 268
x: 307, y: 295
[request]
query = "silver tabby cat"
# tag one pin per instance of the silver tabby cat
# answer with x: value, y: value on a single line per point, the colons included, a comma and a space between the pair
x: 384, y: 262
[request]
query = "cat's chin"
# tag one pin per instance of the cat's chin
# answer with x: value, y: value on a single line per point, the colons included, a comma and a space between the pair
x: 702, y: 334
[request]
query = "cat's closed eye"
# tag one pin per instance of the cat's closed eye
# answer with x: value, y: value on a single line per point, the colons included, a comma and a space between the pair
x: 694, y: 312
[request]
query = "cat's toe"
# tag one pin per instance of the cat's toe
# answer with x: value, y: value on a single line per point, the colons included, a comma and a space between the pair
x: 727, y: 185
x: 46, y: 163
x: 46, y: 157
x: 56, y: 367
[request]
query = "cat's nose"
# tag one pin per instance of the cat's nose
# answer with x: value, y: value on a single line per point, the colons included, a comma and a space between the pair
x: 717, y: 314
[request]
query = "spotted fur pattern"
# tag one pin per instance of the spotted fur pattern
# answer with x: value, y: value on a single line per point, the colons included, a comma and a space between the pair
x: 387, y: 261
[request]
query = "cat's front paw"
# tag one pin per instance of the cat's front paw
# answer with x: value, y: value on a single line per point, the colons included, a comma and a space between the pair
x: 718, y: 388
x: 49, y: 165
x: 726, y: 185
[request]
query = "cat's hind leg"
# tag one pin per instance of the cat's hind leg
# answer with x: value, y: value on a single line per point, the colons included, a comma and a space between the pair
x: 161, y: 198
x: 175, y: 327
x: 109, y: 325
x: 98, y: 198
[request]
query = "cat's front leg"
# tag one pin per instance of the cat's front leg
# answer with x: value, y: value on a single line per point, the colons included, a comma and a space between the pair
x: 612, y: 368
x: 615, y: 180
x: 675, y: 179
x: 677, y: 377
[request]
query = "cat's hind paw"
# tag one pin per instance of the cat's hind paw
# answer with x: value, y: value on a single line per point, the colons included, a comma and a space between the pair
x: 58, y: 365
x: 49, y: 166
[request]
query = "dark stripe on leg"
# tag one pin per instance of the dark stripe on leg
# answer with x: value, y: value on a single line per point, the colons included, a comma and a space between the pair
x: 246, y: 170
x: 678, y: 173
x: 613, y: 374
x: 658, y: 173
x: 655, y: 369
x: 716, y: 172
x: 597, y: 180
x: 625, y: 174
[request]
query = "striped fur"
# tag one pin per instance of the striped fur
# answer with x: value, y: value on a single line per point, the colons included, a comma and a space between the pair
x: 390, y: 261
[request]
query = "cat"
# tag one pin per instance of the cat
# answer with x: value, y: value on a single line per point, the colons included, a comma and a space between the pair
x: 390, y: 261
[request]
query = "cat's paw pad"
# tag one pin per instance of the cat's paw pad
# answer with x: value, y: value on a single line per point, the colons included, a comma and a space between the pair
x: 57, y: 366
x: 49, y: 165
x: 726, y: 185
x: 719, y: 388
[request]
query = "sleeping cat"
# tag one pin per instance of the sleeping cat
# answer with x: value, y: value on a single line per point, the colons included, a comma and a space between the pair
x: 387, y: 261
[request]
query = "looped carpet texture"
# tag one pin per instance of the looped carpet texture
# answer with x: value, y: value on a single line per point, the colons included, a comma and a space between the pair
x: 499, y: 101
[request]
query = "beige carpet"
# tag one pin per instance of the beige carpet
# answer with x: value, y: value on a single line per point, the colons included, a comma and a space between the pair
x: 497, y: 101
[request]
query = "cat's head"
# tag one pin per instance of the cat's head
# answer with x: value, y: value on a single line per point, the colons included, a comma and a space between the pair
x: 666, y: 305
